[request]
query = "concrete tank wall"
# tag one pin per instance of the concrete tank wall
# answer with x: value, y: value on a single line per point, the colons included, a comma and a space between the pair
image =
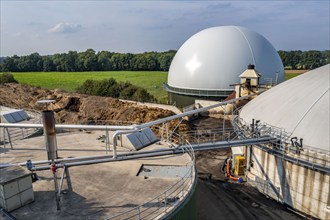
x: 301, y: 188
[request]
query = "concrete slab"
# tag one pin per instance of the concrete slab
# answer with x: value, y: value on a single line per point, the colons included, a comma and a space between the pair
x: 98, y: 191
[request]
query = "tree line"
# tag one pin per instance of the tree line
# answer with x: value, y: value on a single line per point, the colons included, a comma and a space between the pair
x: 298, y: 59
x: 90, y: 60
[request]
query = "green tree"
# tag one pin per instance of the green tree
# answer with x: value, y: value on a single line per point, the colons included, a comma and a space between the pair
x: 88, y: 60
x: 48, y: 64
x: 11, y: 64
x: 142, y: 95
x: 103, y: 60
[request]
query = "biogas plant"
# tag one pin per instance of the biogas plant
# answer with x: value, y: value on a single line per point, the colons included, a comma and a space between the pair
x: 278, y: 138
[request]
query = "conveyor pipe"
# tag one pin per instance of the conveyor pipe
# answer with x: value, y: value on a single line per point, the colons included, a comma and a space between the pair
x: 70, y: 126
x: 139, y: 154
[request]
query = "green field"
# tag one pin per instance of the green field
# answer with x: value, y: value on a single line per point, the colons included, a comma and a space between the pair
x: 69, y: 81
x: 293, y: 73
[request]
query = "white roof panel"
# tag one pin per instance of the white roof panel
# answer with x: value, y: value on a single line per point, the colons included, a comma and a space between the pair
x: 299, y: 105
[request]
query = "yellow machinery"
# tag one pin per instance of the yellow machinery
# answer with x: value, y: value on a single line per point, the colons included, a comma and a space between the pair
x: 239, y: 165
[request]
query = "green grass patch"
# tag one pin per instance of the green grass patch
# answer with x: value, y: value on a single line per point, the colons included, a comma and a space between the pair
x: 293, y: 73
x: 152, y: 81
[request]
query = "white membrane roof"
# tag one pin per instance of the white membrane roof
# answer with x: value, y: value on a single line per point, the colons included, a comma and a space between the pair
x: 214, y: 58
x: 299, y: 105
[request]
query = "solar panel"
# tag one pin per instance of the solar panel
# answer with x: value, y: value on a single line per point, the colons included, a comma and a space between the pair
x: 23, y: 114
x: 16, y: 116
x: 134, y: 141
x: 9, y: 118
x: 142, y: 138
x: 150, y: 135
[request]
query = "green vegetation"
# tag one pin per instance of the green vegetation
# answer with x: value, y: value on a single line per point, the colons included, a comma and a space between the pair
x: 293, y: 73
x: 151, y: 81
x: 89, y: 60
x: 111, y: 88
x: 7, y: 78
x: 297, y: 59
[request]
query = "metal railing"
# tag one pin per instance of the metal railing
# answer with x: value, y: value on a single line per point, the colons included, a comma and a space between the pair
x: 168, y: 200
x: 9, y: 135
x: 282, y: 145
x: 198, y: 92
x: 209, y: 135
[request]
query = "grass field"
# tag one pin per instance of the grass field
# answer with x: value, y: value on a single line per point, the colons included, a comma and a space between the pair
x: 293, y: 73
x: 69, y: 81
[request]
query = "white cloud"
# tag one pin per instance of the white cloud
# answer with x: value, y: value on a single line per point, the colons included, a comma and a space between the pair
x: 65, y: 28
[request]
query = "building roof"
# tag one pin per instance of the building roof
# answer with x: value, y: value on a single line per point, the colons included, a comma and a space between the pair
x: 250, y: 73
x: 214, y: 58
x: 299, y: 105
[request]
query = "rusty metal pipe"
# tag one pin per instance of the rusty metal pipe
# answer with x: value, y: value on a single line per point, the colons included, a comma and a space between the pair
x: 48, y: 121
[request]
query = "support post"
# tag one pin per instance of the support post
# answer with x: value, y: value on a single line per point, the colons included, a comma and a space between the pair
x: 68, y: 179
x: 48, y: 121
x: 56, y: 188
x: 50, y: 134
x: 107, y: 146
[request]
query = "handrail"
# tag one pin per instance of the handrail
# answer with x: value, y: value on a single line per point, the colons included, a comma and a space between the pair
x: 282, y: 146
x: 198, y: 92
x: 164, y: 199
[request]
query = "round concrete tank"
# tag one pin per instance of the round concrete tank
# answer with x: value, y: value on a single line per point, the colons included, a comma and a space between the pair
x: 296, y: 169
x: 211, y: 60
x: 299, y: 105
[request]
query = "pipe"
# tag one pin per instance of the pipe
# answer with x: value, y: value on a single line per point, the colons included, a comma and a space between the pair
x: 238, y: 179
x: 114, y: 140
x: 88, y: 162
x: 196, y: 147
x: 70, y: 126
x: 134, y: 155
x: 50, y: 134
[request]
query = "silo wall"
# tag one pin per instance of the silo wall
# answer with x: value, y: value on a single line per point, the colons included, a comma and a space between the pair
x: 184, y: 100
x: 187, y: 210
x: 304, y: 189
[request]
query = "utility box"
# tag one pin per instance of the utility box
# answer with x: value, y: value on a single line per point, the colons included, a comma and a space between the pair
x: 239, y: 165
x: 15, y: 187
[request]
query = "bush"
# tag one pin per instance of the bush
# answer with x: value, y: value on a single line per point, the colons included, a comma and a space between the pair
x: 7, y: 78
x: 111, y: 88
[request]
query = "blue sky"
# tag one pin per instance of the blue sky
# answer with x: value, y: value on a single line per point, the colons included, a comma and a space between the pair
x: 49, y: 27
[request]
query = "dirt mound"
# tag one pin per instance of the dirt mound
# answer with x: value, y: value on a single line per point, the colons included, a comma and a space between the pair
x: 73, y: 108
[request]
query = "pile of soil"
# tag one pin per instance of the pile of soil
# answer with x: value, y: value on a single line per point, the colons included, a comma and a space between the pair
x: 74, y: 108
